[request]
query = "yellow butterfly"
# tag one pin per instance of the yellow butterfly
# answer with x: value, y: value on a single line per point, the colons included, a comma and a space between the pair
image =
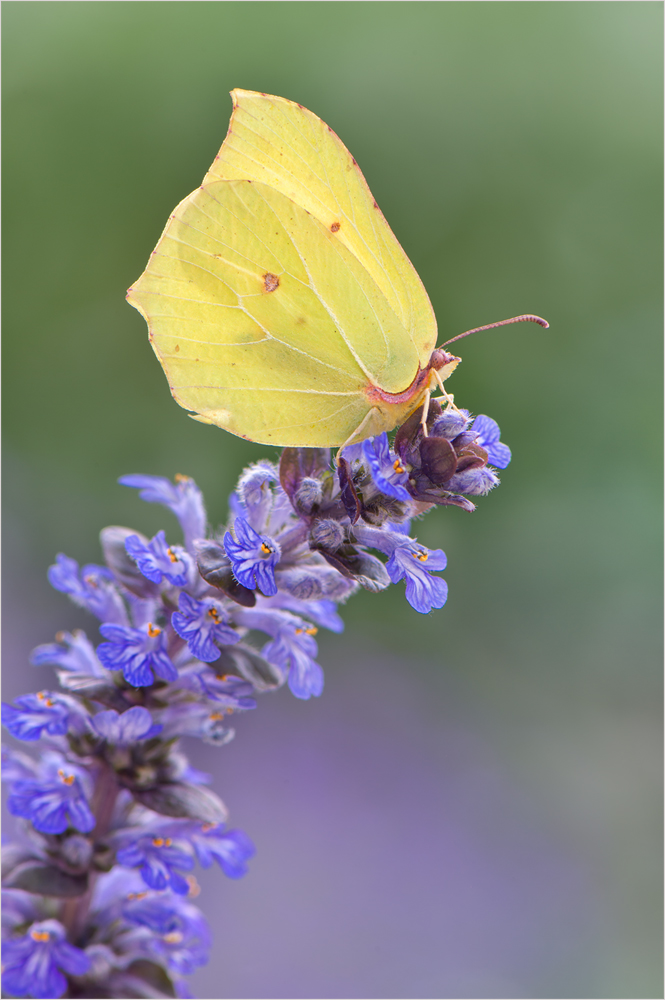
x: 279, y: 302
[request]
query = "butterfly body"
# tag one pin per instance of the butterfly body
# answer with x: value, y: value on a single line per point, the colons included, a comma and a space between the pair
x: 279, y: 302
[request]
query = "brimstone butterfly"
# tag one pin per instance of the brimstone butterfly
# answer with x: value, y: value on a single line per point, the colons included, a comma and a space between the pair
x: 279, y: 302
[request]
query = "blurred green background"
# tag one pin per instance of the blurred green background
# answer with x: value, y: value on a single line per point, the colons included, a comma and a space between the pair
x: 515, y: 149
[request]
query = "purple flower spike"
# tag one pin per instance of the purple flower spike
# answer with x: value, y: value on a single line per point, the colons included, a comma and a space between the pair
x: 134, y: 724
x: 488, y: 438
x: 137, y: 653
x: 385, y: 467
x: 156, y: 560
x: 253, y: 557
x: 159, y: 861
x: 31, y: 965
x: 35, y: 714
x: 416, y: 563
x: 183, y: 497
x: 92, y: 588
x: 231, y: 849
x: 202, y: 624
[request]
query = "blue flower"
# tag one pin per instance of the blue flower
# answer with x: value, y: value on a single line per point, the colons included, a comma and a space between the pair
x: 386, y: 469
x: 124, y: 729
x: 181, y: 935
x: 293, y: 649
x: 322, y: 613
x: 202, y: 624
x: 253, y: 557
x: 35, y: 714
x: 488, y: 434
x: 196, y: 719
x: 232, y: 849
x: 184, y: 498
x: 230, y: 693
x: 159, y: 861
x: 156, y: 560
x: 72, y: 651
x: 32, y: 964
x: 92, y: 588
x: 137, y: 653
x: 416, y: 563
x: 54, y: 799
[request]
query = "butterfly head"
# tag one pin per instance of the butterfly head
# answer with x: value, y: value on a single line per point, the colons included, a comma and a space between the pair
x: 443, y: 362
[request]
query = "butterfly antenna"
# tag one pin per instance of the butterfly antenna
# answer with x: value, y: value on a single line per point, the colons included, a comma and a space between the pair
x: 526, y: 318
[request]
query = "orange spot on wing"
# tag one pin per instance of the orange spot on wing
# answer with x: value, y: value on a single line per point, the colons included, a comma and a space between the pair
x: 270, y: 281
x: 335, y: 228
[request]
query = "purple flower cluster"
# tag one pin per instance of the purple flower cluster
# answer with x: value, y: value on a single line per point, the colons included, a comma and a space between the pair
x: 112, y: 820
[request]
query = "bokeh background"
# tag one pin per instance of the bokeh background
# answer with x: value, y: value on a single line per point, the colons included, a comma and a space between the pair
x: 472, y: 809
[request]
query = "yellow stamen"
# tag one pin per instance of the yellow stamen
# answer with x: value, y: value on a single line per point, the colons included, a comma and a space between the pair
x: 67, y: 779
x: 207, y: 827
x: 214, y: 614
x: 312, y: 630
x: 90, y: 580
x: 40, y: 935
x: 173, y: 937
x: 158, y: 841
x: 194, y: 887
x: 398, y: 467
x: 179, y: 478
x: 153, y: 631
x: 172, y: 556
x: 265, y: 549
x: 422, y: 556
x: 215, y: 716
x: 137, y: 895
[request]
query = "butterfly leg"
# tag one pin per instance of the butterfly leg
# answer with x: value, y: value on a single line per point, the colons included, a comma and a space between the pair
x: 450, y: 400
x: 372, y: 423
x: 423, y: 419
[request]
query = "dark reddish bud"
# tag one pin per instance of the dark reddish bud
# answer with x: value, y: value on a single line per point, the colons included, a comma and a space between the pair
x: 348, y: 490
x: 438, y: 458
x: 471, y: 456
x: 410, y: 433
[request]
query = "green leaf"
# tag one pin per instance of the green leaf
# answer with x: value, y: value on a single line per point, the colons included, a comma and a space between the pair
x: 366, y: 569
x: 180, y: 799
x: 46, y: 880
x: 245, y: 662
x: 154, y: 976
x: 215, y: 567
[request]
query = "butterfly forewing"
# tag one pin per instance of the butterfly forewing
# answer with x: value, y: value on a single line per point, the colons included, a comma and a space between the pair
x: 285, y: 146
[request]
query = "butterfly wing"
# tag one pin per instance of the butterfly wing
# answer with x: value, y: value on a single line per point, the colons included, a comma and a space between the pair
x: 265, y: 323
x: 285, y: 146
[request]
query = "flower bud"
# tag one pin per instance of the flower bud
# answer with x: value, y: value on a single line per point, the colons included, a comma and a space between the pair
x: 327, y: 534
x: 450, y: 424
x: 309, y: 494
